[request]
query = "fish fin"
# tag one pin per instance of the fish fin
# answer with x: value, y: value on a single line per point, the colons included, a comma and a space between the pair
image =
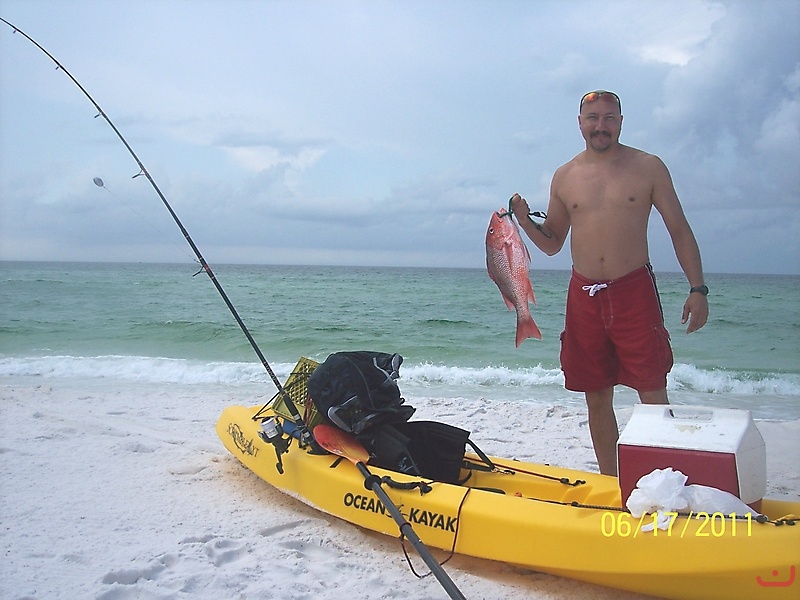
x: 527, y: 253
x: 505, y: 298
x: 530, y: 295
x: 508, y: 302
x: 524, y: 245
x: 527, y: 328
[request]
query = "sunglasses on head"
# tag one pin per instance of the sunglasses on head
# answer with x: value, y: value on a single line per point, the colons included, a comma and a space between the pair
x: 595, y: 95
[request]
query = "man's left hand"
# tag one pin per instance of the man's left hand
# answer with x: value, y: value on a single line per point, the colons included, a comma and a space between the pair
x: 695, y: 310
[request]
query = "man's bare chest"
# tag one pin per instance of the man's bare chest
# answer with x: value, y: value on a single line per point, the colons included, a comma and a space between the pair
x: 592, y: 192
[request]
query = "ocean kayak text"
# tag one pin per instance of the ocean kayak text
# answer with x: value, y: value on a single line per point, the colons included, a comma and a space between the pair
x: 415, y: 516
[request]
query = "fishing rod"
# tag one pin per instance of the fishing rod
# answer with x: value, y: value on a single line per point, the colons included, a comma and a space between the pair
x: 306, y: 437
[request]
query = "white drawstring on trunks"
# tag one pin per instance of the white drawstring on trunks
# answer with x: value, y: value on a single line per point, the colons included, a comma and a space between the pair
x: 594, y: 288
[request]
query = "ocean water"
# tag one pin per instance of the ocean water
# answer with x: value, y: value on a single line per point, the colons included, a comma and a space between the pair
x: 129, y: 324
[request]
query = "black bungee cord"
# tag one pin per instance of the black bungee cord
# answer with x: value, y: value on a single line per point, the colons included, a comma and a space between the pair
x: 306, y: 438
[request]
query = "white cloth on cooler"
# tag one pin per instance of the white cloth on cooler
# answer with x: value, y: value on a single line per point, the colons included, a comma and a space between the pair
x: 665, y: 490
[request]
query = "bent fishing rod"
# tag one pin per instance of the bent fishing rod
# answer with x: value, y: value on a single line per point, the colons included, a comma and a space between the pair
x: 305, y: 433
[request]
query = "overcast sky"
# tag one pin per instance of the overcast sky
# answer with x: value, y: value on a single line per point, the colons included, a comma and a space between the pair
x: 385, y: 133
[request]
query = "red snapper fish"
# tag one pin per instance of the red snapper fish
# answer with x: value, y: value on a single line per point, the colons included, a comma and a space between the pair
x: 508, y: 262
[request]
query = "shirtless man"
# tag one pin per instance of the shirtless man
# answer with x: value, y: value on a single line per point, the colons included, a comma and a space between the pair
x: 614, y: 331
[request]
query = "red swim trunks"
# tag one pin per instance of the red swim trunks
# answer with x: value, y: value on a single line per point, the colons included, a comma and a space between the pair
x: 614, y: 334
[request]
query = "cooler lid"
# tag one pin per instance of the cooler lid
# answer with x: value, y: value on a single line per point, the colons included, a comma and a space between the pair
x: 691, y: 428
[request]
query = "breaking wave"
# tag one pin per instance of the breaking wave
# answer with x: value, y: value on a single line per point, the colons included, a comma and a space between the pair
x: 170, y: 370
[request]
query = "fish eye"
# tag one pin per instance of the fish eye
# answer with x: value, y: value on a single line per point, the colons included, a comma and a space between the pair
x: 491, y: 229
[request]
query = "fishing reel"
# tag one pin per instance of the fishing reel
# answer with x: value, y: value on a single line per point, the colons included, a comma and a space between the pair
x: 272, y: 433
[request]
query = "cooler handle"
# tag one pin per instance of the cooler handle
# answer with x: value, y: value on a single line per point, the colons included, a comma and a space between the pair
x: 679, y: 412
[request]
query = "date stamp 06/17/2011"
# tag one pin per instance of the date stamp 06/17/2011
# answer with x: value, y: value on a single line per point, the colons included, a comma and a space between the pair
x: 710, y: 525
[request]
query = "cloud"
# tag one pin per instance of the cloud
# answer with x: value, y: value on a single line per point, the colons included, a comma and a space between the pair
x: 363, y: 132
x: 263, y: 158
x: 676, y: 33
x: 780, y: 129
x: 732, y: 110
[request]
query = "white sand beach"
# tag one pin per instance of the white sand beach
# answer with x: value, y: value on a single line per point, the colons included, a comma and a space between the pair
x: 114, y: 493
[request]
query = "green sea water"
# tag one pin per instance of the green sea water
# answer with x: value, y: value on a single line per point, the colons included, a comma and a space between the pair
x: 160, y: 323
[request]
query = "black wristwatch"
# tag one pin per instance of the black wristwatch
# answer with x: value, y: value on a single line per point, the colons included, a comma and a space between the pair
x: 700, y: 289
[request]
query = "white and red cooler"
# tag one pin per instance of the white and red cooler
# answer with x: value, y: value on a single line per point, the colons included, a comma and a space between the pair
x: 716, y: 447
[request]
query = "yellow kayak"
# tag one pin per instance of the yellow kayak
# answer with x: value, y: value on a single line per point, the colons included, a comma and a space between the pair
x: 560, y: 521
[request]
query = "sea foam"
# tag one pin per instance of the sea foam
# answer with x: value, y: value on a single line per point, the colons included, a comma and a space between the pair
x: 426, y: 375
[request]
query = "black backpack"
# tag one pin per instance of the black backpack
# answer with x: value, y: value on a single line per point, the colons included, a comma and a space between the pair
x: 428, y: 449
x: 358, y: 390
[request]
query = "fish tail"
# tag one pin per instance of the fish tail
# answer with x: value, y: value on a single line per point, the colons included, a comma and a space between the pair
x: 527, y: 328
